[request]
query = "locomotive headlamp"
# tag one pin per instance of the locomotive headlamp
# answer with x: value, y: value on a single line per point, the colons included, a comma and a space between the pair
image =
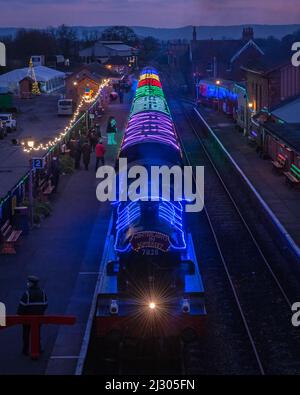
x: 186, y: 307
x: 152, y: 306
x: 114, y: 308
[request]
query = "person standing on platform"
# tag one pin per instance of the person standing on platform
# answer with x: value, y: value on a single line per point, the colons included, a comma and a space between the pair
x: 98, y: 130
x: 111, y: 131
x: 121, y: 96
x: 86, y: 154
x: 93, y: 139
x: 100, y: 152
x: 33, y: 302
x: 77, y: 154
x: 55, y: 172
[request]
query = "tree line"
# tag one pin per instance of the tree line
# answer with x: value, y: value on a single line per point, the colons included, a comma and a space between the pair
x: 65, y: 40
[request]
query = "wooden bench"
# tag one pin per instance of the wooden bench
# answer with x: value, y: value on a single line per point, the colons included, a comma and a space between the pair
x: 279, y: 163
x: 9, y: 238
x: 46, y: 188
x: 293, y: 176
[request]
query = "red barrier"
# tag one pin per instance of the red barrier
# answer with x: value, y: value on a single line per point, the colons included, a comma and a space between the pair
x: 35, y: 321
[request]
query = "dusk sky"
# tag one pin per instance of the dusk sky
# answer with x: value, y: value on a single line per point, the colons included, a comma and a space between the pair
x: 157, y: 13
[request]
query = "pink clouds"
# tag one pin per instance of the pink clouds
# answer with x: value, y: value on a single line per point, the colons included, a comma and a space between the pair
x: 159, y: 13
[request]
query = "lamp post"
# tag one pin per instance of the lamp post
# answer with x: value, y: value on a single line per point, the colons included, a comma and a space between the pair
x: 218, y: 82
x: 30, y: 144
x: 249, y: 112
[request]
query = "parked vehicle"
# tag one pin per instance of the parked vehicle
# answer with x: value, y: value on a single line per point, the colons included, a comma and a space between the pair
x: 10, y: 122
x: 65, y: 107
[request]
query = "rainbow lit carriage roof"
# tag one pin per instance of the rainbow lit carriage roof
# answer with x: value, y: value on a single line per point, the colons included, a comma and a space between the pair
x: 150, y: 119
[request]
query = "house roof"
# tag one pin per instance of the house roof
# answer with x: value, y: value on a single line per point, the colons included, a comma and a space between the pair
x: 288, y: 133
x: 247, y: 45
x: 289, y: 112
x: 225, y: 51
x: 265, y: 65
x: 95, y: 70
x: 120, y: 47
x: 107, y: 48
x: 116, y: 61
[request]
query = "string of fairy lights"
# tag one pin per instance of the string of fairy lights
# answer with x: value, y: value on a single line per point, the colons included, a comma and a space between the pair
x: 85, y: 99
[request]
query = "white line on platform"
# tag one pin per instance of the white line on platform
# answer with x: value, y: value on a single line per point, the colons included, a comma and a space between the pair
x: 86, y: 337
x: 89, y: 273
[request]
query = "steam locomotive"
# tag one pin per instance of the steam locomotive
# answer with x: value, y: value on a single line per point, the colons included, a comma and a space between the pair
x: 151, y: 285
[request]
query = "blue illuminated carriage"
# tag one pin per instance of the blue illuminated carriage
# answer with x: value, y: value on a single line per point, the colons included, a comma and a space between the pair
x: 152, y: 282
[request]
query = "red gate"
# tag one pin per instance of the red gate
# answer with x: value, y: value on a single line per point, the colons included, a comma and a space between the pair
x: 35, y: 321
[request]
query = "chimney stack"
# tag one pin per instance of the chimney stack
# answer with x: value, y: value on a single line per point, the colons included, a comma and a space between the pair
x: 248, y: 33
x: 194, y: 34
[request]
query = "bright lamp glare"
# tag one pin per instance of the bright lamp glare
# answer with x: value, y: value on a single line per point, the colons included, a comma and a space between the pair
x: 152, y: 305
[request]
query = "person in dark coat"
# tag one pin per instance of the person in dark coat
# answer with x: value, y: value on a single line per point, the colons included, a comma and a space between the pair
x: 93, y: 139
x: 55, y: 172
x: 98, y: 130
x: 33, y: 302
x: 86, y: 154
x: 121, y: 96
x: 111, y: 131
x: 77, y: 154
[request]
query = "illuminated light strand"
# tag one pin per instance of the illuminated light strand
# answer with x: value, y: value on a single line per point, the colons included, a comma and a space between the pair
x: 147, y: 115
x: 146, y: 76
x: 149, y: 70
x: 149, y: 91
x: 148, y: 124
x: 174, y: 209
x: 149, y: 103
x: 149, y: 82
x: 73, y: 121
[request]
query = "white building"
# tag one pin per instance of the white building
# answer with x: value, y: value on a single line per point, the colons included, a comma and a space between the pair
x: 50, y: 80
x: 2, y: 55
x: 101, y: 51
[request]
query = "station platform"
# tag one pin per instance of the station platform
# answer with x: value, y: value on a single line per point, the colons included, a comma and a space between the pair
x: 65, y: 253
x: 282, y: 200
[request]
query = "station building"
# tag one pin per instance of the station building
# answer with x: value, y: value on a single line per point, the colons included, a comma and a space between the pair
x: 88, y: 76
x: 101, y: 51
x: 277, y: 132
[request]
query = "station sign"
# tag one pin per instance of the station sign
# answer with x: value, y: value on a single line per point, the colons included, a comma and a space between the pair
x: 38, y: 163
x: 150, y: 240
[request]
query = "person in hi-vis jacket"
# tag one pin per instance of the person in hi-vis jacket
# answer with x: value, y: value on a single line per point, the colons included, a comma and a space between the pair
x: 33, y: 302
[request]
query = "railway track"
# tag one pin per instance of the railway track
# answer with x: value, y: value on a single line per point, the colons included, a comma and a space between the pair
x: 262, y: 305
x: 249, y: 327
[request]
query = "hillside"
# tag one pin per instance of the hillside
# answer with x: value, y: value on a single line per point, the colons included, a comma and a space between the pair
x: 204, y: 32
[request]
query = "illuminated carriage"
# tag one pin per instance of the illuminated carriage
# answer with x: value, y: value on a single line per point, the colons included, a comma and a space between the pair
x: 152, y: 282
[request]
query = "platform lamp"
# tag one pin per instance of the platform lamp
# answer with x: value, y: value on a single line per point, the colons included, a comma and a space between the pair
x: 218, y: 83
x: 249, y: 112
x: 30, y: 144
